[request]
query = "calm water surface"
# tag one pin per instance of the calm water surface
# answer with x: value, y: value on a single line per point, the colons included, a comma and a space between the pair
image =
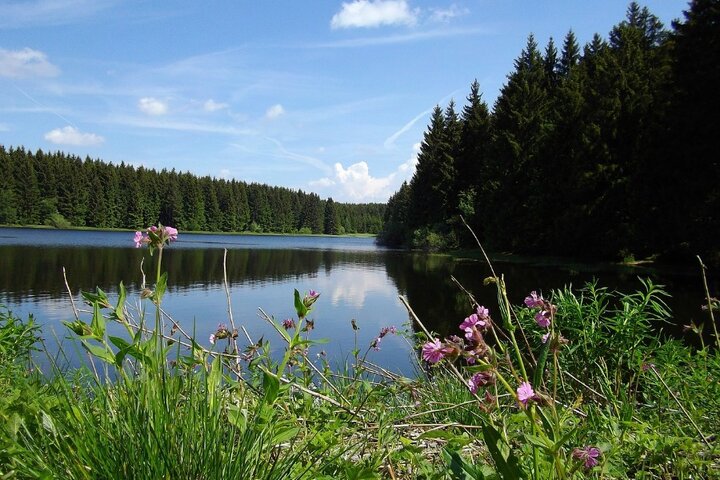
x: 357, y: 280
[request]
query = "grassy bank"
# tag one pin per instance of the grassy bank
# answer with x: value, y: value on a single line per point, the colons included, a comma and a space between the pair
x: 573, y: 384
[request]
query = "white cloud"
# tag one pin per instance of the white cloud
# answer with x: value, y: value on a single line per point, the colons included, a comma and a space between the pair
x: 407, y: 169
x: 72, y: 136
x: 274, y: 112
x: 213, y: 106
x: 355, y: 184
x: 374, y: 13
x: 25, y: 63
x: 152, y: 106
x: 444, y: 15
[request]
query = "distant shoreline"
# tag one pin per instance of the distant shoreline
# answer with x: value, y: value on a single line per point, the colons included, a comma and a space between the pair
x: 244, y: 233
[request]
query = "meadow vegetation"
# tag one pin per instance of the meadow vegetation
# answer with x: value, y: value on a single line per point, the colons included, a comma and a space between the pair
x: 570, y: 384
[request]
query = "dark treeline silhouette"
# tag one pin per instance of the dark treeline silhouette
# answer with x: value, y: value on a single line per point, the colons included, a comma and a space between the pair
x: 607, y: 150
x: 63, y: 190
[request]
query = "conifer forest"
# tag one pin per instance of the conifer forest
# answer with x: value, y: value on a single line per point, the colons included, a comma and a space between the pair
x: 604, y: 150
x: 63, y: 190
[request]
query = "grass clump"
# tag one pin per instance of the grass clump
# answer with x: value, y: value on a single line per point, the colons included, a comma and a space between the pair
x: 577, y: 384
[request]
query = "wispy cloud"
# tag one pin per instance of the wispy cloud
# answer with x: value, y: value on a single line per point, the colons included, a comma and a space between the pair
x: 23, y: 13
x: 72, y: 136
x: 274, y: 112
x: 25, y: 63
x: 390, y: 141
x: 152, y: 106
x: 373, y: 13
x: 285, y: 153
x: 161, y: 123
x: 213, y: 106
x: 444, y: 15
x: 401, y: 38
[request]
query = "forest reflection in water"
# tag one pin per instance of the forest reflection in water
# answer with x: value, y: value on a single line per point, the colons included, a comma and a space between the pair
x: 361, y: 282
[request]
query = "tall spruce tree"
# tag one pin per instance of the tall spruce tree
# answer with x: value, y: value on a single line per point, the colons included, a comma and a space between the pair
x: 520, y: 127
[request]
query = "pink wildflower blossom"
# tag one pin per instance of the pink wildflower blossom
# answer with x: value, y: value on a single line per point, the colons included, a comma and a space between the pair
x: 212, y: 339
x: 479, y: 380
x: 545, y: 337
x: 433, y: 351
x: 588, y: 455
x: 534, y: 300
x: 139, y: 238
x: 172, y: 233
x: 525, y: 393
x: 543, y: 318
x: 288, y: 323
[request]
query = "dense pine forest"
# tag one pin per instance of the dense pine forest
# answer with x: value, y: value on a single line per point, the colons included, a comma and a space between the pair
x: 63, y: 190
x: 609, y: 150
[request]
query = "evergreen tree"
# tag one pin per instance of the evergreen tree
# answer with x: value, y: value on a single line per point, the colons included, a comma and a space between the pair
x: 426, y: 199
x: 691, y: 193
x: 570, y: 55
x: 331, y: 222
x: 520, y: 128
x: 8, y: 210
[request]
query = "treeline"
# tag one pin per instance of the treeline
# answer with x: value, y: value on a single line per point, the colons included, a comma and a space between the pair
x: 63, y: 190
x: 605, y: 150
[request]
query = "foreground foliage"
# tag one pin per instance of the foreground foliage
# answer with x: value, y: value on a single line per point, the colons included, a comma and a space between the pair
x: 577, y: 384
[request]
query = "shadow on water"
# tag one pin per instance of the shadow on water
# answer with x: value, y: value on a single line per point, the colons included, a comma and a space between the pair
x: 358, y: 281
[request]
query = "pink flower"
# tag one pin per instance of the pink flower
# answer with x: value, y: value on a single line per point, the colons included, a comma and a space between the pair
x: 534, y: 300
x: 479, y: 380
x: 525, y: 393
x: 310, y: 298
x: 543, y: 318
x: 385, y: 330
x: 545, y: 337
x: 212, y: 339
x: 138, y: 239
x: 478, y: 320
x: 288, y: 323
x: 172, y: 233
x: 588, y: 455
x: 433, y: 351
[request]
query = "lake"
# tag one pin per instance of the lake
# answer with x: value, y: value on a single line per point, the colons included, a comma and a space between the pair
x: 357, y: 280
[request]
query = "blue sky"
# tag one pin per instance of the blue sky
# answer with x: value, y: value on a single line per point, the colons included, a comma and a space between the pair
x: 326, y: 96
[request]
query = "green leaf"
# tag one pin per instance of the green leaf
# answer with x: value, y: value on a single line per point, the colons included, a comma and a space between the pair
x: 507, y: 468
x: 103, y: 353
x: 120, y: 307
x: 119, y: 342
x: 300, y: 307
x: 98, y: 297
x: 542, y: 359
x: 213, y: 382
x: 459, y: 468
x: 160, y: 288
x: 271, y: 385
x: 97, y: 324
x: 79, y: 327
x: 284, y: 434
